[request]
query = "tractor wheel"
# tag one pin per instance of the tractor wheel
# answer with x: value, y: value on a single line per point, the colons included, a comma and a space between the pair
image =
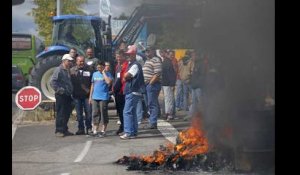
x: 41, y: 75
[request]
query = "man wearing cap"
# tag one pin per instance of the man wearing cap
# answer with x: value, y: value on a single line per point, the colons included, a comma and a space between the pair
x: 152, y: 72
x: 62, y: 85
x: 133, y: 93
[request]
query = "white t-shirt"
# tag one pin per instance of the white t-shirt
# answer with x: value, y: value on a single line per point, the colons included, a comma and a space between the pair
x: 133, y: 70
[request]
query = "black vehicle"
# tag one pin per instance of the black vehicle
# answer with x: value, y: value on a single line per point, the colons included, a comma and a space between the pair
x: 18, y: 78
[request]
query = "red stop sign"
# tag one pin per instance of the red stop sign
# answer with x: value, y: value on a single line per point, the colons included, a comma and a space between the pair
x: 28, y: 98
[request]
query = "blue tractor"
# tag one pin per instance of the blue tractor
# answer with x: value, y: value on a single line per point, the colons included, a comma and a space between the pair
x: 71, y: 31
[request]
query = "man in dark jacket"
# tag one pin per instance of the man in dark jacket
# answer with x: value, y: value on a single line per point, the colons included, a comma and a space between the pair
x: 62, y: 85
x: 81, y: 79
x: 119, y: 85
x: 168, y: 84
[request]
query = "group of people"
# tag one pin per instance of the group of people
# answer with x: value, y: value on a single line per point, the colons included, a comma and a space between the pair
x: 86, y: 82
x: 135, y: 84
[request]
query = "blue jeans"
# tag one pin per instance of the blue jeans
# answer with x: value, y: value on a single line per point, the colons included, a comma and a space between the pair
x: 179, y: 94
x: 186, y: 93
x: 139, y: 110
x: 129, y: 114
x: 153, y: 105
x: 82, y: 104
x: 196, y: 97
x: 145, y: 98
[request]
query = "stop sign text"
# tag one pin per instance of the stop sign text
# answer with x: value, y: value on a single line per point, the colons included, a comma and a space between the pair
x: 28, y: 98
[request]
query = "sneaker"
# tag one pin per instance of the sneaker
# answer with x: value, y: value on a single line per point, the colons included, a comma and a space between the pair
x: 127, y: 136
x: 92, y: 134
x: 88, y: 131
x: 68, y: 133
x: 187, y: 118
x: 80, y: 132
x: 119, y: 122
x: 169, y: 117
x: 100, y: 135
x: 151, y: 126
x: 119, y: 131
x: 178, y: 109
x: 59, y: 134
x: 103, y: 133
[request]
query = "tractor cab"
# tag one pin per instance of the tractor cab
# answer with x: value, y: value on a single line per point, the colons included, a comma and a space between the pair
x: 79, y: 32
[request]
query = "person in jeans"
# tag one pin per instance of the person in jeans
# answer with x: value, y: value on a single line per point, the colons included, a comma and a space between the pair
x: 134, y: 81
x: 152, y: 73
x: 196, y: 85
x: 62, y: 85
x: 99, y: 96
x: 185, y: 71
x: 81, y: 76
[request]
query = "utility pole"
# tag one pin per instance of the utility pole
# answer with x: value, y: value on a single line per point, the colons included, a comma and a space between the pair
x: 99, y: 8
x: 58, y: 7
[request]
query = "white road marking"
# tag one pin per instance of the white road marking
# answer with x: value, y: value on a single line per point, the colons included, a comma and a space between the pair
x: 18, y: 115
x: 84, y: 151
x: 167, y: 130
x: 65, y: 174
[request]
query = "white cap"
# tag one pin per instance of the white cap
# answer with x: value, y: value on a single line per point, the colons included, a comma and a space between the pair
x: 67, y: 57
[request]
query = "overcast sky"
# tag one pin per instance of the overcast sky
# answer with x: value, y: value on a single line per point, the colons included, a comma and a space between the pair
x: 23, y: 23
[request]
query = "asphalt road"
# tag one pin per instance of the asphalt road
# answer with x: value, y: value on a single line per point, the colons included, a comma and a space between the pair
x: 35, y: 149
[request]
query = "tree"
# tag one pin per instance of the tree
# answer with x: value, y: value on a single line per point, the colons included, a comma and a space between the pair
x: 46, y: 9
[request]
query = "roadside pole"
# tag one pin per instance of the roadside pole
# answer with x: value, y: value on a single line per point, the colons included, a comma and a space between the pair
x: 58, y: 7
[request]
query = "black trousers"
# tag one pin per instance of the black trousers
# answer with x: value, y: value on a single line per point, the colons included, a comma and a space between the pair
x: 120, y: 103
x: 63, y: 111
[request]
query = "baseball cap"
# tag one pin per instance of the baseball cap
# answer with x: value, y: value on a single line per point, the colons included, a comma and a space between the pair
x: 67, y: 57
x: 131, y: 49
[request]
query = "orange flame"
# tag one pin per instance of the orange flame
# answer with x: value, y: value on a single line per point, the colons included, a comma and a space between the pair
x: 191, y: 142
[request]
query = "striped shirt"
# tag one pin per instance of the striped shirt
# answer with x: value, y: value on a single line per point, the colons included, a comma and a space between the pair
x: 151, y: 67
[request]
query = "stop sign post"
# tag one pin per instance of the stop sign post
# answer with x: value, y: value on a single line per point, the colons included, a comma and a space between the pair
x: 28, y: 98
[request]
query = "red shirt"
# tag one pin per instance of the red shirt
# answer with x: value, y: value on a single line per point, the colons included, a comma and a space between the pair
x: 123, y: 71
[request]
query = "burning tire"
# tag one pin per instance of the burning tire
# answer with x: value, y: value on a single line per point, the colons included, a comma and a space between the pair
x: 41, y: 75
